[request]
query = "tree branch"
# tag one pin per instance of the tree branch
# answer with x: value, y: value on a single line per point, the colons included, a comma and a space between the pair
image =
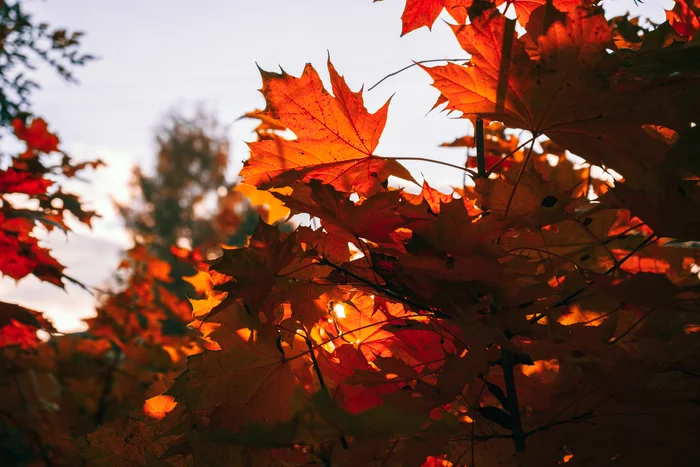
x: 634, y: 325
x: 480, y: 153
x: 383, y: 290
x: 647, y: 241
x: 520, y: 175
x: 317, y: 368
x: 512, y: 398
x: 575, y: 419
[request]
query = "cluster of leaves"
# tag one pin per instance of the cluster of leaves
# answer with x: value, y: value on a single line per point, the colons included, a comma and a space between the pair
x: 56, y: 392
x: 22, y: 41
x: 175, y: 205
x: 58, y: 388
x: 540, y: 315
x: 65, y: 386
x: 30, y: 198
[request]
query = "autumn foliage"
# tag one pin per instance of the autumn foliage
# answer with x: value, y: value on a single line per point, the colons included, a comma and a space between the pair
x: 545, y: 313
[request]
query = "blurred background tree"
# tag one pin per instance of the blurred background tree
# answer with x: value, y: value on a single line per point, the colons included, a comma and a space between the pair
x: 187, y: 202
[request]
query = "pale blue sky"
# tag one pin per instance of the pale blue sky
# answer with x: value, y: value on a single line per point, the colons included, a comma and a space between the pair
x: 157, y: 54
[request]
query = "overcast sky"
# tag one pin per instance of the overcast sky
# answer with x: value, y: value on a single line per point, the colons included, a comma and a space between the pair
x: 156, y: 55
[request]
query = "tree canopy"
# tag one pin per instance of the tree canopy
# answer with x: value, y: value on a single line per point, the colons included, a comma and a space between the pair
x: 544, y: 313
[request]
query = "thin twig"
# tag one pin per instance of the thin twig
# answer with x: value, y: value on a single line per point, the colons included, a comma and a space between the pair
x: 634, y: 325
x: 333, y: 338
x: 623, y: 234
x: 647, y: 241
x: 549, y: 253
x: 594, y: 237
x: 520, y: 175
x: 575, y: 419
x: 317, y: 368
x: 414, y: 64
x: 508, y: 156
x: 470, y: 172
x: 383, y: 290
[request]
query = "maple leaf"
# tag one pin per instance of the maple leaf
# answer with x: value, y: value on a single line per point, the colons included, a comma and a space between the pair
x: 374, y: 422
x: 249, y: 379
x: 359, y: 325
x: 254, y: 269
x: 21, y: 254
x: 330, y: 242
x: 373, y: 219
x: 267, y: 127
x: 130, y: 445
x: 419, y: 13
x: 434, y: 228
x: 15, y: 181
x: 560, y: 81
x: 336, y: 136
x: 524, y: 8
x: 433, y: 197
x: 652, y: 205
x: 583, y: 241
x: 683, y: 18
x: 67, y: 202
x: 13, y: 312
x: 16, y: 333
x: 275, y: 210
x: 536, y: 201
x: 36, y: 135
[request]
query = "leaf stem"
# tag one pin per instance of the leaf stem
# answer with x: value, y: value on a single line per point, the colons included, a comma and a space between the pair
x: 574, y: 419
x: 508, y: 156
x: 647, y: 241
x: 634, y: 325
x: 414, y: 64
x: 520, y: 176
x: 317, y: 368
x: 470, y: 172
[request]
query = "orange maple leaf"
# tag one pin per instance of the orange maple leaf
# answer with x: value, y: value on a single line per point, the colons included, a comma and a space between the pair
x: 560, y: 80
x: 419, y: 13
x: 336, y: 136
x: 683, y: 18
x: 247, y: 380
x: 524, y: 8
x: 433, y: 197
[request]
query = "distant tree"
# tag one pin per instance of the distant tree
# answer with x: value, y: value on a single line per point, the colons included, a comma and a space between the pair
x: 23, y: 44
x: 187, y: 202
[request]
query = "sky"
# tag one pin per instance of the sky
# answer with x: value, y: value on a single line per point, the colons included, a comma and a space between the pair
x: 157, y: 55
